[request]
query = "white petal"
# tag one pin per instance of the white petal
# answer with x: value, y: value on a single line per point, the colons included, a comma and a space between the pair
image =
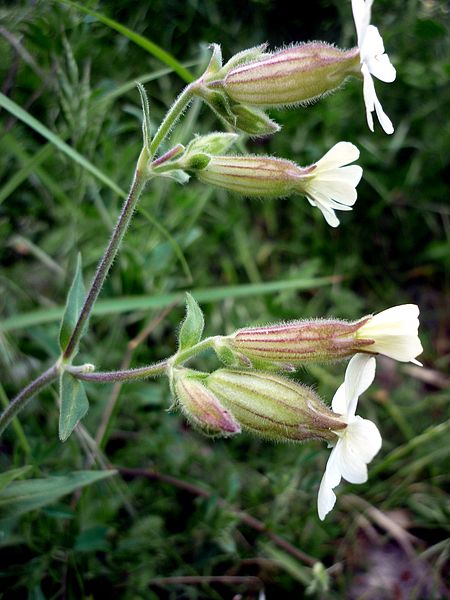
x: 351, y: 465
x: 351, y: 174
x: 365, y: 438
x: 329, y: 216
x: 382, y: 68
x: 338, y: 190
x: 339, y: 403
x: 403, y: 348
x: 385, y: 121
x: 359, y: 375
x: 360, y: 443
x: 340, y: 154
x: 326, y: 498
x: 327, y: 212
x: 368, y: 94
x: 400, y: 319
x: 372, y: 44
x: 395, y: 333
x: 361, y: 16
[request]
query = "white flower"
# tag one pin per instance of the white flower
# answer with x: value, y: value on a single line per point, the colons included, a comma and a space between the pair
x: 374, y: 61
x: 358, y: 443
x: 332, y: 185
x: 394, y: 332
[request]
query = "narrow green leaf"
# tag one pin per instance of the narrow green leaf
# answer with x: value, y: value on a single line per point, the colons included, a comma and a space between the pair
x: 192, y: 328
x: 137, y: 39
x: 22, y: 496
x: 29, y: 120
x: 8, y: 476
x: 74, y: 302
x: 146, y: 125
x: 74, y: 405
x: 204, y: 295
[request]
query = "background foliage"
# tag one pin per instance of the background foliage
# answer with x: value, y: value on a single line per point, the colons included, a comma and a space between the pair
x: 182, y: 505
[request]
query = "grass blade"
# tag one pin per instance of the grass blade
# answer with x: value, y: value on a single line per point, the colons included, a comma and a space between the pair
x: 137, y: 39
x: 29, y: 120
x: 205, y: 295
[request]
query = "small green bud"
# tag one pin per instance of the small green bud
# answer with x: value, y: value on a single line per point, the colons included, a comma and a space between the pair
x: 243, y: 118
x: 200, y: 405
x: 274, y: 407
x: 212, y: 143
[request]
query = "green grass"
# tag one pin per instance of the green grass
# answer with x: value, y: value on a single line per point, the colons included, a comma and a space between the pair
x: 183, y: 505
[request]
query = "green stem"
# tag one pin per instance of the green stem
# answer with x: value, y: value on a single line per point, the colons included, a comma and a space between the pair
x: 21, y: 400
x: 154, y: 370
x: 173, y: 114
x: 183, y: 356
x: 108, y: 257
x: 126, y: 375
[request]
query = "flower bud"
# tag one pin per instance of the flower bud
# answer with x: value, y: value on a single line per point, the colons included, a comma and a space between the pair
x: 330, y: 184
x: 251, y: 120
x: 262, y: 176
x: 274, y: 407
x: 200, y: 405
x: 393, y: 332
x: 288, y: 345
x: 297, y: 74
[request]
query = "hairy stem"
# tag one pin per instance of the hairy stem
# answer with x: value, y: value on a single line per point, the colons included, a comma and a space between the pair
x: 173, y: 114
x: 183, y: 356
x: 126, y: 375
x: 21, y: 400
x: 107, y: 259
x: 154, y: 370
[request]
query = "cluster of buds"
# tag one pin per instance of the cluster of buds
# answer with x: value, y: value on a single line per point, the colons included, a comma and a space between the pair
x: 248, y: 395
x: 240, y: 91
x: 266, y: 404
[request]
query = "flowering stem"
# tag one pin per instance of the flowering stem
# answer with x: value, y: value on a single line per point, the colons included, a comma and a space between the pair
x: 126, y: 375
x: 173, y: 114
x: 183, y: 356
x: 109, y: 255
x: 154, y: 370
x: 20, y: 401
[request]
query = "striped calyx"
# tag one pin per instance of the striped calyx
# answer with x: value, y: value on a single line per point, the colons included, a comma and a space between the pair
x: 200, y: 405
x: 288, y: 345
x: 274, y: 407
x: 300, y: 73
x: 261, y: 176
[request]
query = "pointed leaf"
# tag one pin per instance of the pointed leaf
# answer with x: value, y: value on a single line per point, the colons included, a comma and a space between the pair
x: 146, y: 127
x: 215, y: 62
x: 22, y: 496
x: 74, y: 303
x: 192, y: 328
x: 73, y: 404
